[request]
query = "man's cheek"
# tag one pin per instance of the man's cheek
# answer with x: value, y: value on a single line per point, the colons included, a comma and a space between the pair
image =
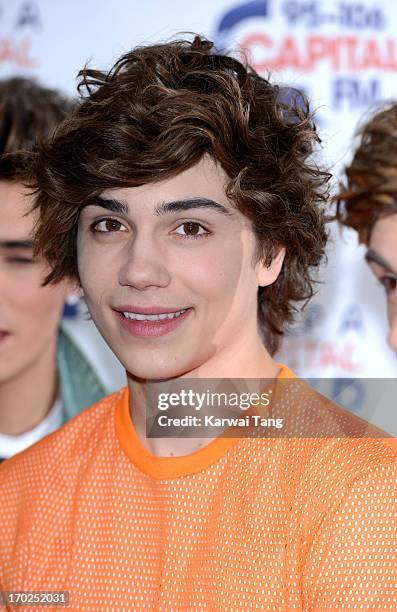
x: 392, y: 313
x: 392, y: 317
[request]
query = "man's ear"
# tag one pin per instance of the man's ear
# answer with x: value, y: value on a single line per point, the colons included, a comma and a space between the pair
x: 268, y: 274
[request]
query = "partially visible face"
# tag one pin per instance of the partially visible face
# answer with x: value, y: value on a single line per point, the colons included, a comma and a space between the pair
x: 29, y: 313
x: 168, y: 274
x: 382, y: 258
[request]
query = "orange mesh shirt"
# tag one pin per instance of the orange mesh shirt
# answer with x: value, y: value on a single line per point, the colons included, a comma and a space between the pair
x: 241, y: 524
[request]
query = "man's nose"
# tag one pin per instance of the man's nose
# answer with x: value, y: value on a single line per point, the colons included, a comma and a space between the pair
x: 145, y: 264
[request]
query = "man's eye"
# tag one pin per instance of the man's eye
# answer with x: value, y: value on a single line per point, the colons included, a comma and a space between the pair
x: 389, y: 283
x: 20, y: 260
x: 108, y: 225
x: 191, y: 229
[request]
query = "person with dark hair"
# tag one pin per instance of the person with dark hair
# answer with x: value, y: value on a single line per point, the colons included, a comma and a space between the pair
x: 183, y: 197
x: 367, y: 202
x: 44, y: 377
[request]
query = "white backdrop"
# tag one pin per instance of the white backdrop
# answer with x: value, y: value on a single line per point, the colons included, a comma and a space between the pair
x: 343, y: 54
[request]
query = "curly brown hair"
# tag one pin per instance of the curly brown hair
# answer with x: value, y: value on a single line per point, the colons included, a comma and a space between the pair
x: 370, y: 190
x: 28, y: 113
x: 154, y: 115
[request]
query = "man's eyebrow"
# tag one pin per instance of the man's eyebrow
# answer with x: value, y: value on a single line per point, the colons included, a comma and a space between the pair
x: 174, y: 206
x: 189, y: 204
x: 16, y: 244
x: 111, y: 204
x: 373, y: 256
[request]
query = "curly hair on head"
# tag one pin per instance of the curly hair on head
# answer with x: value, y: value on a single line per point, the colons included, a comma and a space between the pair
x: 155, y: 114
x: 369, y: 192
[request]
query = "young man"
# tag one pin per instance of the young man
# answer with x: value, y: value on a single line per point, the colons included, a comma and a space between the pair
x: 368, y: 203
x: 182, y: 197
x: 44, y: 377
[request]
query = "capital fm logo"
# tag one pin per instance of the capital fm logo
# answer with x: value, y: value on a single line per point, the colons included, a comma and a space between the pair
x: 347, y: 48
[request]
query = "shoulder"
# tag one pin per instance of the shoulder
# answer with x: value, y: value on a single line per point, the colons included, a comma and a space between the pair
x: 325, y: 447
x: 328, y: 477
x: 57, y: 454
x: 307, y: 413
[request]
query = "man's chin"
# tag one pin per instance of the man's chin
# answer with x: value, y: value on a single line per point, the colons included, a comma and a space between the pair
x: 156, y: 370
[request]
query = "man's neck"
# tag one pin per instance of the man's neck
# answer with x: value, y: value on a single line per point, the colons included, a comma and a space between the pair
x: 26, y: 399
x: 249, y: 362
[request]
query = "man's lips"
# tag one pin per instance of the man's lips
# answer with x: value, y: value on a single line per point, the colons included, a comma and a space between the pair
x: 151, y: 328
x: 149, y: 309
x: 3, y: 334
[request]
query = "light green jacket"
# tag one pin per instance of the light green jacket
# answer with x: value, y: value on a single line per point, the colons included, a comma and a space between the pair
x: 80, y: 385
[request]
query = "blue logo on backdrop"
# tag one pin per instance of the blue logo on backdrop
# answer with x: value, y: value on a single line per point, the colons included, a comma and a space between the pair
x: 255, y: 8
x: 347, y: 392
x: 351, y: 320
x: 28, y: 16
x: 350, y: 393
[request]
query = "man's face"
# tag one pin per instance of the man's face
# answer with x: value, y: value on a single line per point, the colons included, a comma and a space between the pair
x: 178, y: 252
x: 29, y: 313
x: 382, y: 258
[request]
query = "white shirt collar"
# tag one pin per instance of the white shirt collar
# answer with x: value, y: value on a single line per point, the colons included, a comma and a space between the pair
x: 11, y: 445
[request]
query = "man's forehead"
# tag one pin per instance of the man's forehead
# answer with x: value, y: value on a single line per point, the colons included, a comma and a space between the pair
x: 383, y: 243
x: 389, y: 264
x: 204, y: 179
x: 384, y: 231
x: 16, y: 219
